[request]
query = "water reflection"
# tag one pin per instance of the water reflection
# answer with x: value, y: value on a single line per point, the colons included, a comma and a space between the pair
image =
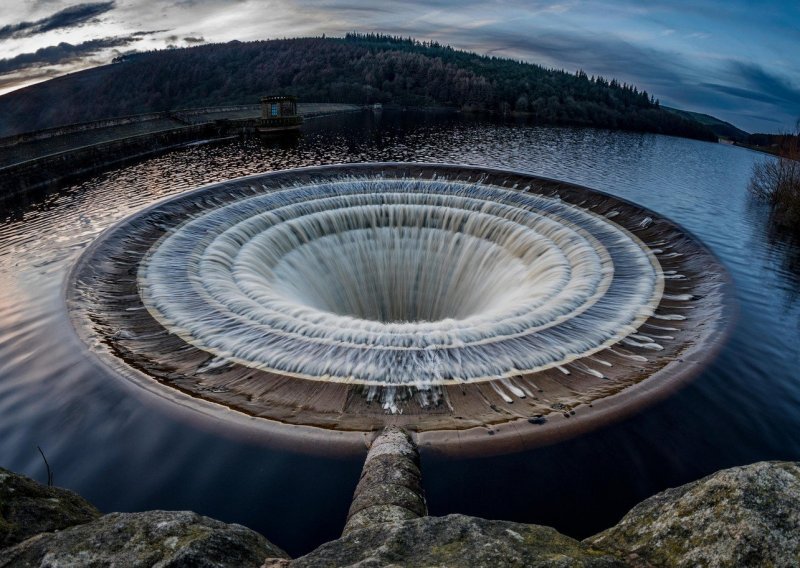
x: 104, y: 438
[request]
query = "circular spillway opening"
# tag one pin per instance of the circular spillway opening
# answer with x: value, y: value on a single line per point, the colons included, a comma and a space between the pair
x: 444, y: 298
x: 405, y: 274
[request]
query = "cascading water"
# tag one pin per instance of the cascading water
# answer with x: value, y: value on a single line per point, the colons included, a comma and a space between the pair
x: 304, y: 297
x: 399, y: 282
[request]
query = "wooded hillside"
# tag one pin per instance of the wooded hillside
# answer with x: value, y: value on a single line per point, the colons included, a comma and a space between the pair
x: 354, y: 69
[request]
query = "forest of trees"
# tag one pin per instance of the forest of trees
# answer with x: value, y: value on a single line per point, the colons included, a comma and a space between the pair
x: 359, y: 68
x: 776, y: 142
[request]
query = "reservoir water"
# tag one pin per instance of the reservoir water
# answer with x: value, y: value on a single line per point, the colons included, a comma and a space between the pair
x: 126, y: 449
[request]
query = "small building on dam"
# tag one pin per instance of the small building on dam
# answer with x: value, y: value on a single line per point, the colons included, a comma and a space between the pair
x: 278, y: 114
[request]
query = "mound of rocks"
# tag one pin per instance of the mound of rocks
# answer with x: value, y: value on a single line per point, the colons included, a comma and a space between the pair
x: 743, y: 516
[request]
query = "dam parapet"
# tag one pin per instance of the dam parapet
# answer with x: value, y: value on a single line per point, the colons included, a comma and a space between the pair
x: 37, y: 160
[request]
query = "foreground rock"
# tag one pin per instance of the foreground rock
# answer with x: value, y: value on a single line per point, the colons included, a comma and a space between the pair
x: 743, y: 516
x: 455, y: 540
x: 28, y: 508
x: 155, y: 538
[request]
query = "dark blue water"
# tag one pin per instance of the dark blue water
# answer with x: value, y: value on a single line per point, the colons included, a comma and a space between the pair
x: 128, y: 450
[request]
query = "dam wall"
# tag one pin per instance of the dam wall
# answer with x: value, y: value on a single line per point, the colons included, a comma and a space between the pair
x: 181, y: 116
x: 47, y: 171
x: 40, y: 160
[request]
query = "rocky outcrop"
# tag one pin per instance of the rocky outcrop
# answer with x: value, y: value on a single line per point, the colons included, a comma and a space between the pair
x: 390, y: 488
x: 743, y: 516
x: 28, y: 508
x: 155, y: 538
x: 456, y: 540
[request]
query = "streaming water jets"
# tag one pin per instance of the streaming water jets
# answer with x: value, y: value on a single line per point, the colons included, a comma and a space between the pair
x: 678, y: 297
x: 213, y: 364
x: 515, y: 390
x: 652, y: 336
x: 643, y: 345
x: 502, y: 394
x: 388, y: 397
x: 521, y: 385
x: 401, y: 282
x: 640, y: 337
x: 588, y: 370
x: 660, y: 327
x: 631, y: 356
x: 601, y: 361
x: 428, y: 397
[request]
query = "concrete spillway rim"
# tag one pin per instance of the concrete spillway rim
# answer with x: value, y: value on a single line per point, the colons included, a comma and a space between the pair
x: 480, y: 440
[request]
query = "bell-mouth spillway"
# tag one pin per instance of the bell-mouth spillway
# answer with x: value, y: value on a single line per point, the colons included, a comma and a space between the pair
x: 483, y: 310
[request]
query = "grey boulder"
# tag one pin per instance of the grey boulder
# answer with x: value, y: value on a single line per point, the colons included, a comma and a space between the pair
x: 743, y: 516
x: 28, y: 508
x: 455, y: 540
x: 154, y: 538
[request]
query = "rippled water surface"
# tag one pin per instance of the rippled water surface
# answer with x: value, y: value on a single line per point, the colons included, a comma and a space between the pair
x: 127, y: 450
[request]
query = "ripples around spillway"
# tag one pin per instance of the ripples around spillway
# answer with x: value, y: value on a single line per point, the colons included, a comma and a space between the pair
x: 126, y: 450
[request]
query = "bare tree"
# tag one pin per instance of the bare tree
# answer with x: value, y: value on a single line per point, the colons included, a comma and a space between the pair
x: 777, y: 180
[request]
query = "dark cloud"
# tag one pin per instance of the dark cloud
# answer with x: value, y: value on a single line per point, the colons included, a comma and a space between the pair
x: 764, y: 118
x: 61, y: 53
x: 752, y: 95
x: 743, y: 93
x: 67, y: 18
x: 777, y: 87
x: 599, y: 55
x: 173, y: 40
x: 149, y: 32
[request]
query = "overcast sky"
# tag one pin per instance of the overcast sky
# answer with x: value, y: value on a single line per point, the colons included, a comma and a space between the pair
x: 736, y: 59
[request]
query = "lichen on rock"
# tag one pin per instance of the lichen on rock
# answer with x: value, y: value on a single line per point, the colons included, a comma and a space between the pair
x: 743, y: 516
x: 28, y: 508
x: 154, y: 538
x: 456, y: 540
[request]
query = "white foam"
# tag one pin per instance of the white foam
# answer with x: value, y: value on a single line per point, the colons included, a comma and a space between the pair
x: 401, y: 282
